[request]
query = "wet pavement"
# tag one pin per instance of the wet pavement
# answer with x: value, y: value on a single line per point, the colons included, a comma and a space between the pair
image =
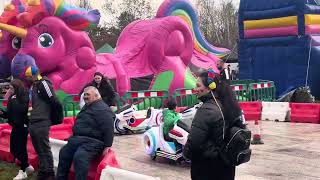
x: 290, y: 151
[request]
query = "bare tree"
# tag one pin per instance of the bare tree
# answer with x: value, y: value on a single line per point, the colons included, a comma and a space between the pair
x: 140, y: 9
x: 84, y: 4
x: 218, y: 22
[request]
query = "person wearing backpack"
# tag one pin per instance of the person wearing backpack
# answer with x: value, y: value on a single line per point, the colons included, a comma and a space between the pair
x: 42, y: 97
x: 208, y: 131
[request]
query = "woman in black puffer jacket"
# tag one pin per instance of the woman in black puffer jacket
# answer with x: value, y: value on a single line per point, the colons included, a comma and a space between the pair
x: 104, y: 87
x: 208, y: 128
x: 17, y: 115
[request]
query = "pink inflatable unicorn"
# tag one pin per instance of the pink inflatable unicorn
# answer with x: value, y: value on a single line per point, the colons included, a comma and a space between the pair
x: 55, y: 41
x: 9, y: 44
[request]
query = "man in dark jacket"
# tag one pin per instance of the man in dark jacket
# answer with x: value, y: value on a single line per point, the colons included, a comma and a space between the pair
x: 224, y: 72
x: 41, y: 94
x: 207, y: 134
x: 92, y: 135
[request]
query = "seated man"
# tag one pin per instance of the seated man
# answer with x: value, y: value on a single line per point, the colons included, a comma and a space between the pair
x: 92, y: 135
x: 170, y: 118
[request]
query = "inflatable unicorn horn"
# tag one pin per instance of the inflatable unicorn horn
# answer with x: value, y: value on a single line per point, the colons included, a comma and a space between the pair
x: 9, y: 44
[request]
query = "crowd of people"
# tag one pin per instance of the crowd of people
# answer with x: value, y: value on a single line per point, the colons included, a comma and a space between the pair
x: 29, y: 111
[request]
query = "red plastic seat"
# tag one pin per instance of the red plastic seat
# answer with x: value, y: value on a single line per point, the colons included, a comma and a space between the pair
x: 68, y: 120
x: 98, y: 165
x: 5, y: 154
x: 61, y: 131
x: 5, y: 126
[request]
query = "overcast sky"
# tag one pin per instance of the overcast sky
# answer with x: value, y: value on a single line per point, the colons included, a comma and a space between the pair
x: 97, y: 4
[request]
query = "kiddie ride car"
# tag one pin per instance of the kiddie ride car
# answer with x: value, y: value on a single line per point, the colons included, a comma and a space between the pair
x: 130, y: 120
x: 156, y: 145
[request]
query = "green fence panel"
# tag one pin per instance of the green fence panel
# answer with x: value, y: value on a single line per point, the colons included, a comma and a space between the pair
x: 145, y: 99
x: 71, y: 103
x: 243, y: 81
x: 262, y: 91
x: 185, y: 97
x: 241, y: 92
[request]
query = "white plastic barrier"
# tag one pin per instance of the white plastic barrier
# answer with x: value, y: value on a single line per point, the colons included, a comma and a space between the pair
x: 110, y: 173
x: 275, y: 111
x: 56, y: 145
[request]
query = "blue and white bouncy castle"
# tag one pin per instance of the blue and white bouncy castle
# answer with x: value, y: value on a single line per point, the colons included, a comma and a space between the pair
x: 280, y: 41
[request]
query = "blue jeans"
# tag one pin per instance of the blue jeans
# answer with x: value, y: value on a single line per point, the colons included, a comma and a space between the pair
x: 81, y: 151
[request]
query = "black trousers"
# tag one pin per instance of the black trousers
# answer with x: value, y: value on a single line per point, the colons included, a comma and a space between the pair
x: 40, y: 140
x: 211, y: 170
x: 18, y: 145
x: 81, y: 151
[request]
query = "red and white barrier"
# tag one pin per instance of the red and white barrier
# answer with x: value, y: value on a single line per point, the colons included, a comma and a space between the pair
x: 146, y: 94
x: 252, y: 110
x: 275, y: 111
x: 305, y: 112
x: 110, y: 173
x: 262, y: 85
x: 237, y: 87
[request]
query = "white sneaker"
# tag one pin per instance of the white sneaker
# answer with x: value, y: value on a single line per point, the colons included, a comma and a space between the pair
x: 21, y: 175
x: 29, y: 170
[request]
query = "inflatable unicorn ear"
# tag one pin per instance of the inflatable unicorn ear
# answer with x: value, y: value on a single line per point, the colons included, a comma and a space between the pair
x: 74, y: 17
x: 9, y: 44
x: 11, y: 11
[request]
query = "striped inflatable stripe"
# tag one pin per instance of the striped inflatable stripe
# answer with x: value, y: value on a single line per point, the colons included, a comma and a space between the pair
x: 271, y: 23
x: 146, y: 94
x: 237, y: 88
x: 187, y: 92
x: 261, y: 86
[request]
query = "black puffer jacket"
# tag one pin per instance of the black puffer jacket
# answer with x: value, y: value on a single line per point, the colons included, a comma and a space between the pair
x: 206, y: 132
x: 17, y: 111
x: 96, y: 121
x: 203, y: 143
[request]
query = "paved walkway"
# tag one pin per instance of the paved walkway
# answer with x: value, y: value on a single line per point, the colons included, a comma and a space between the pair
x: 291, y: 151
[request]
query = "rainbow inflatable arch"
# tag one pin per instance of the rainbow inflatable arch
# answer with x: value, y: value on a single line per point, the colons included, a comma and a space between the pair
x: 185, y: 10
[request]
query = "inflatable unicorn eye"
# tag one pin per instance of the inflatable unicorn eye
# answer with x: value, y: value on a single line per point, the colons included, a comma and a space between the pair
x: 16, y: 43
x: 45, y: 40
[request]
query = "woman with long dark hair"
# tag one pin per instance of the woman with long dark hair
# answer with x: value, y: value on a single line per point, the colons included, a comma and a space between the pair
x: 219, y: 111
x: 17, y: 115
x: 105, y: 88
